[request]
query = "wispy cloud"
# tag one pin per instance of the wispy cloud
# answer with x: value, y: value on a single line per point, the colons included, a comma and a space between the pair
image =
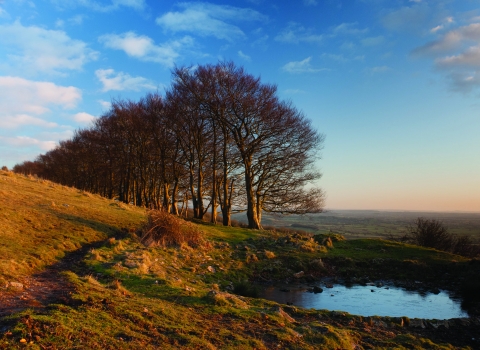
x: 378, y: 69
x: 451, y: 40
x: 348, y: 29
x: 407, y: 18
x: 105, y: 104
x: 206, y: 19
x: 121, y: 81
x: 310, y: 2
x: 373, y: 41
x: 34, y: 49
x: 301, y: 67
x: 295, y: 33
x: 294, y: 91
x: 102, y: 6
x: 469, y: 58
x: 143, y: 47
x: 19, y: 120
x: 464, y: 82
x: 244, y: 56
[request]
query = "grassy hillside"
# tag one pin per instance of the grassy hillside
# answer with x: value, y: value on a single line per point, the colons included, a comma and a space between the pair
x: 40, y: 221
x: 120, y: 294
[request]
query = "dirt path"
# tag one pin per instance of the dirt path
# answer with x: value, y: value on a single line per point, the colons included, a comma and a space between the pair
x: 46, y: 287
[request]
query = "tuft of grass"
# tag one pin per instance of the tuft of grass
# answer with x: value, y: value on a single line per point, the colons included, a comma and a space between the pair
x: 269, y: 254
x: 166, y: 230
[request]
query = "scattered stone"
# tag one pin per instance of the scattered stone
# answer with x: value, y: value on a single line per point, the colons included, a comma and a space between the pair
x: 317, y: 290
x: 298, y: 274
x: 211, y: 269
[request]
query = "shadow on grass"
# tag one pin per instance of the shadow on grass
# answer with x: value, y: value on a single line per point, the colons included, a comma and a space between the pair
x: 108, y: 230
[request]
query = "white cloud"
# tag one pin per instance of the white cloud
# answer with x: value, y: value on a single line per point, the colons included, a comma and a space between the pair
x: 26, y: 141
x: 38, y: 50
x: 244, y: 56
x: 29, y: 116
x: 295, y: 33
x: 121, y: 81
x: 206, y: 19
x: 143, y: 47
x: 101, y: 7
x: 84, y: 118
x: 301, y: 67
x: 21, y: 96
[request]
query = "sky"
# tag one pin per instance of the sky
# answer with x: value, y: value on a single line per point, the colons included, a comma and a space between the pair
x: 394, y: 85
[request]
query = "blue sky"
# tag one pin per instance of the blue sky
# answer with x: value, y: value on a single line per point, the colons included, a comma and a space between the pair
x: 393, y: 84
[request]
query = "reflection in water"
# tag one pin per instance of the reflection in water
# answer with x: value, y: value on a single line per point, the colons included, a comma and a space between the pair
x: 371, y: 301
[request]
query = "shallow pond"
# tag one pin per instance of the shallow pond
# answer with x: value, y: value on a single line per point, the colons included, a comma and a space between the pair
x: 371, y: 301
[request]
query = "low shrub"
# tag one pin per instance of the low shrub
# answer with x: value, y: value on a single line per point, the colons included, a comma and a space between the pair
x: 165, y: 229
x: 432, y: 233
x: 246, y: 289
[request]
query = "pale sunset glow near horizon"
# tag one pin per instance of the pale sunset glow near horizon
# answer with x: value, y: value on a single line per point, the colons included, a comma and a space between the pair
x: 393, y: 85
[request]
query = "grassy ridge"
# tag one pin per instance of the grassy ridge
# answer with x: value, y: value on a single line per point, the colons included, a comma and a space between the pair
x: 130, y: 296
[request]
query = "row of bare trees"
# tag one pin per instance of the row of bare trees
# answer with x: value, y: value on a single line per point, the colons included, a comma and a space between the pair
x: 218, y: 139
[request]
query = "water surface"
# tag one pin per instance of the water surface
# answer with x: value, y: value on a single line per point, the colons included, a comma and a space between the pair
x: 371, y: 301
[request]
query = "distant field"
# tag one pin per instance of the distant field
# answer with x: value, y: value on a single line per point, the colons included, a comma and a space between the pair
x: 369, y: 223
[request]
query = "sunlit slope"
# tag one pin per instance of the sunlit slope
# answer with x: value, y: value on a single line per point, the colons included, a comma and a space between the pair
x: 40, y: 221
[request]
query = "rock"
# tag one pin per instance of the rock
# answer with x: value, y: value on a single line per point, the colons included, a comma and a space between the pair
x: 439, y: 323
x: 317, y: 290
x: 328, y: 285
x: 211, y: 269
x: 298, y: 274
x: 285, y: 290
x: 212, y: 293
x: 16, y: 285
x: 417, y: 323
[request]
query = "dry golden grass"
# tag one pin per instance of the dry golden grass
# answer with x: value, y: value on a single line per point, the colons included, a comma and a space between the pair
x: 40, y: 221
